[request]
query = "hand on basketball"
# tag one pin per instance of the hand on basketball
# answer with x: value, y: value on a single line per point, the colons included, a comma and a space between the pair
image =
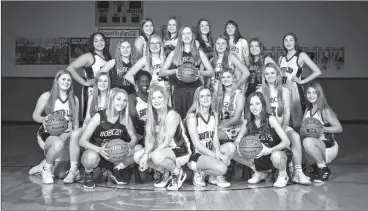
x: 44, y: 121
x: 296, y: 79
x: 265, y: 151
x: 103, y: 153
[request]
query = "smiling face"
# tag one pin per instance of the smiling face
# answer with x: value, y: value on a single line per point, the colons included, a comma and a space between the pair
x: 205, y: 98
x: 157, y: 99
x: 120, y: 101
x: 289, y: 42
x: 64, y: 82
x: 312, y: 95
x: 227, y: 79
x: 171, y: 26
x: 230, y: 29
x: 255, y: 50
x: 187, y: 35
x: 255, y: 105
x: 221, y: 45
x: 270, y: 75
x: 143, y: 83
x: 148, y: 28
x: 204, y: 27
x: 98, y: 42
x: 125, y: 49
x: 155, y: 45
x: 103, y: 83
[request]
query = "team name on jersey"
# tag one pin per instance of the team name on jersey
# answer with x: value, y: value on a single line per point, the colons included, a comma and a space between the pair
x: 206, y: 135
x: 287, y: 69
x: 64, y: 113
x: 273, y: 100
x: 234, y: 49
x: 265, y: 138
x: 112, y: 132
x: 143, y: 112
x: 188, y: 59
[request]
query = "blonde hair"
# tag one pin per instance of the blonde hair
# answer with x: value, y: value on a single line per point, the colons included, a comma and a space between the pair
x: 119, y: 58
x: 149, y: 53
x: 278, y: 85
x: 221, y: 93
x: 194, y: 108
x: 96, y: 93
x: 124, y: 114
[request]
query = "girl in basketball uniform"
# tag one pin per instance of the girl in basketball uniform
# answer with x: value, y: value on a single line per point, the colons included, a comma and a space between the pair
x: 275, y: 151
x: 146, y: 30
x: 171, y: 36
x: 96, y: 102
x: 111, y: 123
x: 258, y: 59
x: 292, y: 66
x: 91, y: 62
x: 167, y: 147
x: 118, y: 67
x: 277, y: 99
x: 238, y: 45
x: 324, y: 149
x: 204, y: 38
x: 60, y: 99
x: 223, y: 60
x: 185, y: 52
x: 209, y: 158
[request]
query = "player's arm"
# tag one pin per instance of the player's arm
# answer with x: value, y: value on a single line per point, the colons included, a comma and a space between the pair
x: 88, y: 115
x: 208, y: 72
x: 242, y: 68
x: 87, y: 133
x: 82, y: 61
x: 315, y: 69
x: 216, y: 142
x: 132, y: 133
x: 242, y: 133
x: 193, y: 133
x: 138, y: 46
x: 245, y: 50
x: 107, y: 67
x: 129, y: 76
x: 165, y: 71
x: 40, y: 107
x: 76, y: 115
x: 236, y: 119
x: 173, y: 120
x: 286, y: 97
x: 334, y: 122
x: 285, y: 142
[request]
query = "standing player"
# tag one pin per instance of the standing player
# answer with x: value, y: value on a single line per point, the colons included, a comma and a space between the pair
x: 112, y: 123
x: 185, y: 52
x: 91, y: 62
x: 210, y: 158
x: 204, y: 38
x: 118, y: 67
x: 258, y: 59
x: 324, y: 149
x: 60, y: 99
x: 292, y: 66
x: 275, y: 142
x: 171, y: 36
x: 277, y: 99
x: 140, y: 44
x: 167, y: 147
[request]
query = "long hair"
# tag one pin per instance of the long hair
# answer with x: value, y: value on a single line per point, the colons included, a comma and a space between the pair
x: 178, y: 55
x: 156, y: 118
x: 149, y: 53
x: 297, y: 46
x: 251, y: 126
x: 168, y: 34
x: 141, y: 32
x: 55, y: 92
x: 221, y: 93
x: 237, y: 34
x: 194, y: 108
x: 278, y: 85
x: 225, y: 59
x: 96, y: 94
x: 262, y: 53
x: 119, y: 58
x: 322, y: 104
x: 124, y: 114
x: 91, y: 48
x: 202, y: 44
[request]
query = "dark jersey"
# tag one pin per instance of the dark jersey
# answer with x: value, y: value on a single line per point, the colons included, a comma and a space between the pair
x: 187, y: 58
x: 266, y: 134
x: 255, y: 77
x: 118, y: 80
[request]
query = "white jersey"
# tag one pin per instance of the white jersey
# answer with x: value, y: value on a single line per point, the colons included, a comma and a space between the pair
x: 62, y: 107
x: 155, y: 72
x: 141, y: 108
x: 290, y: 67
x: 226, y: 114
x: 205, y: 129
x: 240, y: 49
x: 144, y: 52
x: 274, y: 107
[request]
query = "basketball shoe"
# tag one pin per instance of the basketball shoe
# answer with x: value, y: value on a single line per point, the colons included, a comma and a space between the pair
x: 47, y: 176
x: 177, y: 180
x: 282, y: 180
x: 162, y: 178
x: 322, y: 174
x: 72, y: 176
x: 258, y: 177
x: 198, y: 179
x: 219, y: 181
x: 37, y: 169
x: 88, y: 180
x: 300, y: 178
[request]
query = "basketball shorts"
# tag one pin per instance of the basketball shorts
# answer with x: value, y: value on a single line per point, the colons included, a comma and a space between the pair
x: 193, y: 160
x: 232, y: 132
x: 182, y: 99
x: 264, y: 163
x: 331, y: 151
x: 182, y: 155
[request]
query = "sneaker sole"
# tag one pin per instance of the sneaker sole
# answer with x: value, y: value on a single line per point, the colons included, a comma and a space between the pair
x: 162, y: 186
x: 321, y: 181
x: 199, y: 185
x: 306, y: 184
x: 87, y: 187
x: 180, y: 183
x: 263, y: 180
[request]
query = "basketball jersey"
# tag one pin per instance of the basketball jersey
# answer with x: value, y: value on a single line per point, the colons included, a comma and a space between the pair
x: 238, y: 49
x: 144, y: 52
x: 205, y: 129
x: 266, y: 134
x: 274, y: 107
x: 155, y: 72
x: 92, y: 70
x: 141, y: 108
x: 318, y: 115
x: 169, y: 47
x: 107, y: 131
x: 207, y: 49
x: 187, y: 58
x: 118, y: 80
x: 101, y: 106
x: 255, y: 77
x: 225, y: 114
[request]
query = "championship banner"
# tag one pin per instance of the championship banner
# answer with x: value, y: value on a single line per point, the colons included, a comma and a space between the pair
x: 42, y: 51
x: 119, y: 13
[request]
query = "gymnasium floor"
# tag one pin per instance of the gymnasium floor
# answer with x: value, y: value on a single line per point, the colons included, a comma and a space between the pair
x: 346, y: 189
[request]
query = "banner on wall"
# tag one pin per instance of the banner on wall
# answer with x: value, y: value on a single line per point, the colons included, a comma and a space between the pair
x: 120, y: 33
x: 324, y: 58
x: 118, y: 13
x: 42, y: 51
x: 338, y: 57
x: 79, y: 46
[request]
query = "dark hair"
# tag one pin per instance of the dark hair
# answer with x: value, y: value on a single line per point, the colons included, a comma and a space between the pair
x: 141, y: 73
x: 91, y: 49
x: 202, y: 44
x: 297, y: 46
x: 251, y: 126
x: 141, y: 32
x: 237, y: 34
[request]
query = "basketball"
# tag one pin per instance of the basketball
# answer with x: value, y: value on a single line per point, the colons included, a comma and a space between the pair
x: 250, y: 146
x: 118, y: 150
x: 187, y: 73
x: 56, y: 124
x: 311, y: 127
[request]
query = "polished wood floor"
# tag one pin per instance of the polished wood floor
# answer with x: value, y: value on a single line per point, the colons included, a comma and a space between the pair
x: 346, y: 189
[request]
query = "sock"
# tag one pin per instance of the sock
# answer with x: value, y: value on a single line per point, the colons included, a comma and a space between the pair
x: 283, y: 172
x: 120, y: 166
x: 176, y: 171
x: 298, y: 168
x: 73, y: 165
x: 47, y: 166
x: 321, y: 164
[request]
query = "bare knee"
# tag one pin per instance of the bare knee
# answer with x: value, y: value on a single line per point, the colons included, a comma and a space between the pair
x: 57, y: 145
x: 157, y: 158
x: 74, y: 137
x: 278, y: 157
x: 294, y: 139
x: 138, y: 155
x: 229, y: 149
x: 221, y: 169
x: 90, y: 159
x: 308, y: 143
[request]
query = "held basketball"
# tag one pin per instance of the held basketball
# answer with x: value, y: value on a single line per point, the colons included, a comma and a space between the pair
x: 56, y: 124
x: 250, y: 147
x: 311, y: 127
x: 187, y: 73
x: 118, y: 150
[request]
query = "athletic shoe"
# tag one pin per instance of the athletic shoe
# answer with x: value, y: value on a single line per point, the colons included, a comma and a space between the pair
x: 219, y: 181
x: 88, y: 180
x: 300, y: 178
x: 177, y: 180
x: 117, y: 176
x: 156, y: 175
x: 291, y: 169
x: 281, y: 180
x: 258, y: 177
x: 198, y: 179
x: 162, y: 179
x: 322, y: 174
x: 47, y: 176
x: 37, y: 169
x: 72, y: 176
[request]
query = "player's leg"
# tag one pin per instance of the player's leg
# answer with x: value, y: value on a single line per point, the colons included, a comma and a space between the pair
x: 279, y: 161
x: 90, y: 160
x: 53, y: 148
x: 74, y: 152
